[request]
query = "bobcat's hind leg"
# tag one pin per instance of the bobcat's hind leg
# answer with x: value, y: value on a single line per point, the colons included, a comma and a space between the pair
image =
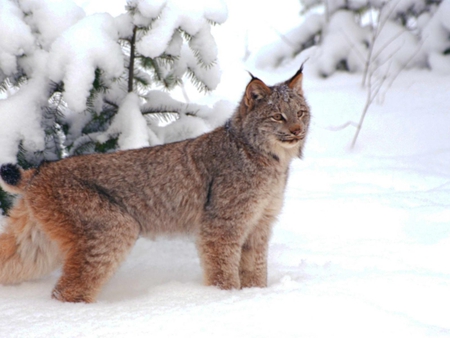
x: 95, y: 256
x: 253, y: 263
x: 26, y: 252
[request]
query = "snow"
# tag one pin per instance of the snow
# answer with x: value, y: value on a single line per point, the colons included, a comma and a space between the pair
x: 436, y: 31
x: 49, y: 18
x: 89, y: 44
x: 194, y: 119
x: 361, y: 247
x: 168, y: 19
x: 131, y: 124
x: 439, y: 63
x: 20, y: 118
x: 191, y: 17
x: 275, y: 53
x: 342, y: 31
x: 15, y: 37
x: 56, y: 42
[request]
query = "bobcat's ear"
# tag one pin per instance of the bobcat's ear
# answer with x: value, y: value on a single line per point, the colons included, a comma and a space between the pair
x: 256, y: 90
x: 295, y: 82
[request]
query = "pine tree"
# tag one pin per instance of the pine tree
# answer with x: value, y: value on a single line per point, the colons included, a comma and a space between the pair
x: 76, y: 78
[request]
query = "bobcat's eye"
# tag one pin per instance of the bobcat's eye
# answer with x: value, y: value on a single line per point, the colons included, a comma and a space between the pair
x: 277, y: 117
x: 300, y: 113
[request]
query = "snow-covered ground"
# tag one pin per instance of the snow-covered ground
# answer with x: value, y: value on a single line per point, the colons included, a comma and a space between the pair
x: 361, y: 249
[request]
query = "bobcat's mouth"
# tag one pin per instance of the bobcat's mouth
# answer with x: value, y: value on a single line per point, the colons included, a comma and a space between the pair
x: 290, y: 140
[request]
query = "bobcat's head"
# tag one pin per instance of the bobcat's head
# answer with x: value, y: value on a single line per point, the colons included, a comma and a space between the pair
x: 274, y: 119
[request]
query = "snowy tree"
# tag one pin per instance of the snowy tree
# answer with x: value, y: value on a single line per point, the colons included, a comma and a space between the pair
x: 377, y: 38
x: 75, y: 84
x: 350, y: 34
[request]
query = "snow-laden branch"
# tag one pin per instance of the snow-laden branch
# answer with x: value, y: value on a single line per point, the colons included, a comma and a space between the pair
x: 82, y: 81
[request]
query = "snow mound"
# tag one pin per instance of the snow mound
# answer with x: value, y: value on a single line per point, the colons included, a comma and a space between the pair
x: 88, y: 45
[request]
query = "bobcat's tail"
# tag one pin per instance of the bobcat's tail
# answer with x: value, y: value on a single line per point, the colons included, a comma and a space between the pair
x: 14, y: 179
x: 25, y: 250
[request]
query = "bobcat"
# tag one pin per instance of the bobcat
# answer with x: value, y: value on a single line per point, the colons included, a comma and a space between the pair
x: 225, y: 187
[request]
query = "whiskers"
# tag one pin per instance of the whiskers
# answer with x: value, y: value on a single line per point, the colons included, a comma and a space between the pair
x: 290, y: 138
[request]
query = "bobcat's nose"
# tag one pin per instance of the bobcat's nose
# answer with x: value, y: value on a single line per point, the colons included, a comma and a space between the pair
x: 296, y: 130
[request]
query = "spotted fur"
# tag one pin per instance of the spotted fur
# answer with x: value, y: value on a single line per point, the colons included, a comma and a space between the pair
x: 225, y: 187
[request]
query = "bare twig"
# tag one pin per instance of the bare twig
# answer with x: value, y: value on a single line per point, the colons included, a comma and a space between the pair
x: 406, y: 64
x: 132, y: 58
x: 352, y: 46
x: 342, y: 126
x: 111, y: 103
x: 377, y: 28
x: 373, y: 65
x: 372, y: 93
x: 373, y: 90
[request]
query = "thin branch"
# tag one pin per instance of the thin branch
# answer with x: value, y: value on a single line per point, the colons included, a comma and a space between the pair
x: 377, y: 27
x: 387, y: 43
x: 113, y: 104
x: 371, y: 46
x: 132, y: 57
x: 342, y: 126
x: 352, y: 45
x: 371, y: 95
x: 382, y: 23
x: 406, y: 64
x: 160, y: 111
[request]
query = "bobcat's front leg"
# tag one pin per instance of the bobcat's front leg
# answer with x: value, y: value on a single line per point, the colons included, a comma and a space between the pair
x: 253, y: 263
x: 220, y: 256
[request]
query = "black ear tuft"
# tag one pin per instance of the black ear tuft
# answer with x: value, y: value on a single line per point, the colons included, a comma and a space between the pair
x: 252, y: 76
x: 10, y: 173
x: 295, y: 82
